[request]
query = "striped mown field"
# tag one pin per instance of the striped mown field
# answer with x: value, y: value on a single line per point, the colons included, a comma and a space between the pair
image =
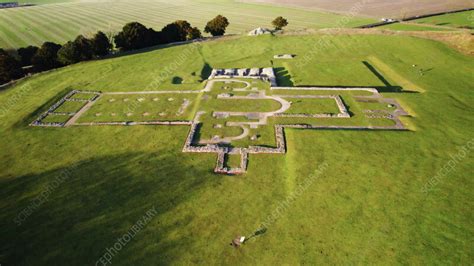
x: 60, y: 22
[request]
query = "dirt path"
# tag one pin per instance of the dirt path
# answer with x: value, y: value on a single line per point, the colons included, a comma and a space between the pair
x: 84, y: 109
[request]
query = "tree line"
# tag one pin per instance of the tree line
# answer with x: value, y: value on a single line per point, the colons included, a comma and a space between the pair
x: 133, y: 36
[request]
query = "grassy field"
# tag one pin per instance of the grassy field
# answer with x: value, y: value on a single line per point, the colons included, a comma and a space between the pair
x: 461, y: 19
x: 64, y: 21
x: 113, y: 108
x: 411, y: 27
x: 68, y: 194
x: 312, y: 106
x: 448, y: 22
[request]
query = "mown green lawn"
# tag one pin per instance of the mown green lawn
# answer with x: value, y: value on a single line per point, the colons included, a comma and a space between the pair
x: 140, y: 107
x: 366, y: 207
x: 70, y: 107
x: 312, y: 106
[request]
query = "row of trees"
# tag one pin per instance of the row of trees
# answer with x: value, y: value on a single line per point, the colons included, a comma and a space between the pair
x: 52, y: 55
x: 132, y: 36
x: 135, y: 35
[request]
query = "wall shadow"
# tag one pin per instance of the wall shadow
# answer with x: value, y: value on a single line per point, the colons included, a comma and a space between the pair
x: 283, y: 77
x: 377, y: 74
x: 205, y: 72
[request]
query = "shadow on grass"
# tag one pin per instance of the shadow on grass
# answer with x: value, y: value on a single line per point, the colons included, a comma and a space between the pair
x: 177, y: 80
x: 205, y: 71
x: 99, y: 200
x: 162, y: 46
x: 25, y: 121
x: 197, y: 135
x: 348, y: 107
x: 283, y: 77
x: 377, y: 74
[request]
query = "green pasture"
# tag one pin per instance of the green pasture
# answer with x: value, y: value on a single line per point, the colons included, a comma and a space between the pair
x: 70, y: 107
x: 460, y: 19
x: 140, y: 107
x: 312, y: 106
x: 68, y: 194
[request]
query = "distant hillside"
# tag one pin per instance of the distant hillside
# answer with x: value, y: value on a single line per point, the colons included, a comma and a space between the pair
x: 64, y: 21
x: 377, y: 8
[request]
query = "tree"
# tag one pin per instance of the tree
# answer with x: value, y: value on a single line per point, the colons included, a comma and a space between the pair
x: 81, y: 49
x: 217, y: 26
x: 179, y: 31
x: 10, y: 68
x: 47, y: 56
x: 279, y: 23
x: 101, y: 44
x: 193, y: 33
x: 133, y: 36
x: 26, y: 54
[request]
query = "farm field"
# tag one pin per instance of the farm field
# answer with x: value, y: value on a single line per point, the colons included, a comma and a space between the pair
x: 448, y: 22
x: 40, y: 2
x: 461, y: 19
x: 371, y: 203
x: 377, y: 8
x: 64, y: 21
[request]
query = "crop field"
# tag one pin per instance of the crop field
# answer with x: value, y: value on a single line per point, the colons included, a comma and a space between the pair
x: 377, y: 8
x: 64, y: 21
x: 336, y: 196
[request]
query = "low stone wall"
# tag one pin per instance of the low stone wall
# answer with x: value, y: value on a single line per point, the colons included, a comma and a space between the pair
x: 309, y: 115
x: 373, y: 90
x: 266, y: 74
x: 39, y: 121
x: 343, y: 113
x: 132, y: 123
x: 46, y: 124
x: 283, y: 56
x: 62, y: 113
